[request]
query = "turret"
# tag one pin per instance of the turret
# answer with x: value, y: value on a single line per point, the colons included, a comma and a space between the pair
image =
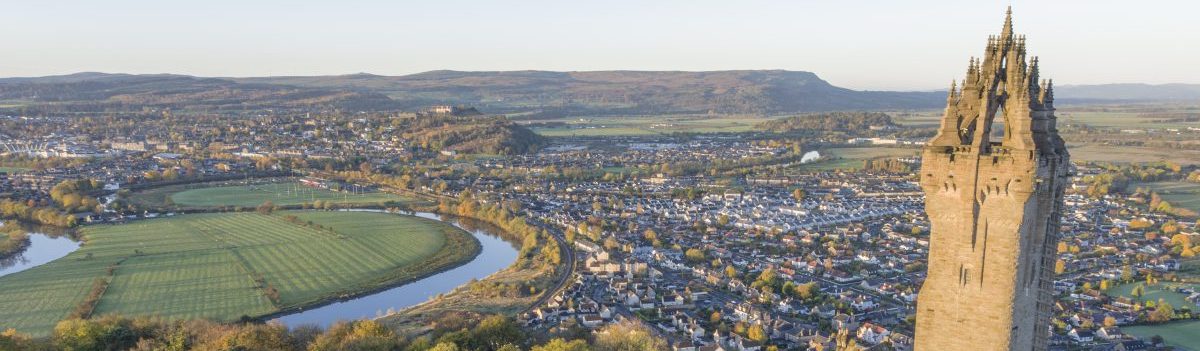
x: 1048, y: 95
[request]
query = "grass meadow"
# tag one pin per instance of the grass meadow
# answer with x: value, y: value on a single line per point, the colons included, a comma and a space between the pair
x: 1181, y: 335
x: 649, y: 125
x: 281, y: 193
x: 12, y: 170
x: 1164, y: 291
x: 852, y: 157
x: 223, y: 266
x: 1179, y: 194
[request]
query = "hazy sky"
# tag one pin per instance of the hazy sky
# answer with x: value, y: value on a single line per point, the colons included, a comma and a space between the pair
x: 855, y: 44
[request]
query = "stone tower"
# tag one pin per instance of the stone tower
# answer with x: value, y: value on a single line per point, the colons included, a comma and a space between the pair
x: 994, y: 207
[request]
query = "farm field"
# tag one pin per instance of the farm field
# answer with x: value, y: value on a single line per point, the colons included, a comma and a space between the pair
x: 1182, y: 335
x: 852, y: 158
x: 648, y: 125
x: 1126, y: 118
x: 1131, y: 154
x: 1179, y: 194
x: 223, y: 266
x: 281, y: 193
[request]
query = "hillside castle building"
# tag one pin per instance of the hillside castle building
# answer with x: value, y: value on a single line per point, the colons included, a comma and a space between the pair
x: 993, y: 177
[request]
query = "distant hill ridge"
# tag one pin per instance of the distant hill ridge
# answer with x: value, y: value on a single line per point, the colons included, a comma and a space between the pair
x: 622, y: 92
x: 541, y: 93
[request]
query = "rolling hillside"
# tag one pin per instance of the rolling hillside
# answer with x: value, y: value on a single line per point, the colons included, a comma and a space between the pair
x: 621, y: 92
x: 87, y: 92
x: 532, y: 93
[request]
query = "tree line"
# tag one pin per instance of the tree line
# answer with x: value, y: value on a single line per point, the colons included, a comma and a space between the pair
x: 451, y: 333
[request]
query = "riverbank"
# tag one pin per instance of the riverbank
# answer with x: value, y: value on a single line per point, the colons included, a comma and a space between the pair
x: 474, y: 300
x: 12, y: 243
x: 460, y: 248
x: 509, y: 292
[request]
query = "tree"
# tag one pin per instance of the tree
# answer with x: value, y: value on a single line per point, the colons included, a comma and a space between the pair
x: 79, y: 334
x: 627, y: 336
x: 496, y: 331
x: 445, y: 346
x: 650, y: 235
x: 266, y: 207
x: 1162, y: 312
x: 694, y: 255
x: 558, y: 344
x: 767, y: 277
x: 1060, y: 266
x: 254, y: 338
x: 611, y: 243
x: 357, y: 335
x: 11, y: 340
x: 756, y: 333
x: 798, y: 194
x: 807, y: 290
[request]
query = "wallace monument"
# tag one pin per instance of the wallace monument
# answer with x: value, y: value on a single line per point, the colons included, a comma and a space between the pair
x: 993, y: 178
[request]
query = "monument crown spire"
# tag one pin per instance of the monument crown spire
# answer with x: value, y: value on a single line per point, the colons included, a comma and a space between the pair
x: 1007, y: 32
x: 994, y: 207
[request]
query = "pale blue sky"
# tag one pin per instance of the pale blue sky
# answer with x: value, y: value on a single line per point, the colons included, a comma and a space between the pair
x: 856, y: 44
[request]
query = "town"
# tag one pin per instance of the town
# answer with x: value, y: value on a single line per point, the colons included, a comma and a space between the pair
x: 712, y: 242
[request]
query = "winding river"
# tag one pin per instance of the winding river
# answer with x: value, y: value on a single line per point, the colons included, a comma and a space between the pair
x: 495, y: 254
x: 42, y: 248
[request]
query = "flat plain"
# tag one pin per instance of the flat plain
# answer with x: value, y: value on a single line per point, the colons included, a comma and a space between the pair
x: 281, y: 193
x: 223, y: 266
x: 647, y: 125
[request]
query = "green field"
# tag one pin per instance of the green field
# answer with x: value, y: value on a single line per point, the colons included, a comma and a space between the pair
x: 1154, y: 292
x: 852, y: 157
x: 281, y: 193
x: 1131, y: 154
x: 1179, y: 194
x: 12, y: 170
x: 648, y: 125
x: 224, y: 266
x: 1182, y: 335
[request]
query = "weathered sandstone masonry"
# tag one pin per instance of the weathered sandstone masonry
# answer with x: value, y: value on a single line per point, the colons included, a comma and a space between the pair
x: 994, y: 207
